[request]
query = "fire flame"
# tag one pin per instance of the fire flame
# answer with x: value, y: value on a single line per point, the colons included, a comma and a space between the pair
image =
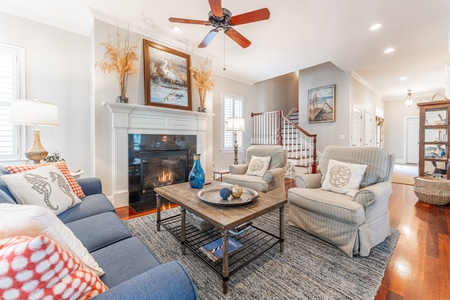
x: 165, y: 177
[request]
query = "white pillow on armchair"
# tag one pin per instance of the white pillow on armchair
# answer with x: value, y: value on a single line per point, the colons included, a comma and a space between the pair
x: 343, y: 178
x: 258, y: 165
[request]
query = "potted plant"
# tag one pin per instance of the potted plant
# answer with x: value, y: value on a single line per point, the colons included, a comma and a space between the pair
x: 121, y: 58
x: 203, y: 82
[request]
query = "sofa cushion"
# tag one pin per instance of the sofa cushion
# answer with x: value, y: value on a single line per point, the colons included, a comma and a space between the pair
x: 32, y: 220
x: 89, y: 206
x: 39, y: 268
x: 134, y: 256
x: 61, y: 165
x: 45, y: 186
x: 335, y: 206
x: 99, y: 231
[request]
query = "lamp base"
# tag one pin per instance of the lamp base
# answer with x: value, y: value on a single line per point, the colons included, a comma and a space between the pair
x: 36, y: 152
x: 235, y: 148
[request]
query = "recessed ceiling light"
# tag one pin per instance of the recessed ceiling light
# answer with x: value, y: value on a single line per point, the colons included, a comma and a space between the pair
x: 403, y: 78
x: 389, y: 50
x: 375, y: 26
x: 177, y: 28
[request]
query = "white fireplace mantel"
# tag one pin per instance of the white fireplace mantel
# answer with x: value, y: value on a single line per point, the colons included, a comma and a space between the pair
x: 142, y: 119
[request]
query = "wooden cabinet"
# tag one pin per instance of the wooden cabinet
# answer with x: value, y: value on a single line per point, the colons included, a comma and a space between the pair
x: 433, y: 138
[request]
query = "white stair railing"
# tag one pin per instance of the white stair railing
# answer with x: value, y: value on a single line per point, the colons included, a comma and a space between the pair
x: 273, y: 128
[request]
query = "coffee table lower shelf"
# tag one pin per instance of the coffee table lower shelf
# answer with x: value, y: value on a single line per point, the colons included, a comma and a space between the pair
x: 255, y: 242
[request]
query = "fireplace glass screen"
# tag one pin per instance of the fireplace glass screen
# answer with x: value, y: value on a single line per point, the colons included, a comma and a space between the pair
x: 157, y: 160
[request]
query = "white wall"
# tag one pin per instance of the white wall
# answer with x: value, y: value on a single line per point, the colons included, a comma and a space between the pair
x: 322, y: 75
x: 366, y: 99
x: 395, y: 114
x: 273, y: 94
x: 58, y: 70
x: 107, y: 89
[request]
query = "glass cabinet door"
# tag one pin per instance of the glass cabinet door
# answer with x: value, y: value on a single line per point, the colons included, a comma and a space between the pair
x: 436, y: 135
x: 436, y: 116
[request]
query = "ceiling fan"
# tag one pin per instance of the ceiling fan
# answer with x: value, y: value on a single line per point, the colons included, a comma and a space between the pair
x: 222, y: 19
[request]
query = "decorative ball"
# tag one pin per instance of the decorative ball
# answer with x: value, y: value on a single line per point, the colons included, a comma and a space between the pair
x: 224, y: 193
x: 236, y: 191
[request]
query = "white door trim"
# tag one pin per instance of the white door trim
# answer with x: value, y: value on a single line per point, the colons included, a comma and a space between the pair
x: 405, y: 140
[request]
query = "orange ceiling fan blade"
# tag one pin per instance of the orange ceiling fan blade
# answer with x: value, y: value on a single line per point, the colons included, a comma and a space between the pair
x: 208, y: 38
x: 188, y: 21
x: 216, y: 7
x: 238, y: 38
x: 252, y: 16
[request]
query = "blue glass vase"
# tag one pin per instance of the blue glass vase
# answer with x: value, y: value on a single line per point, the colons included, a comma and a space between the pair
x: 197, y: 175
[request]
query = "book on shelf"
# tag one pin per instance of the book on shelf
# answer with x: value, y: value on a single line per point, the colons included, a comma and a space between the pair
x: 214, y: 249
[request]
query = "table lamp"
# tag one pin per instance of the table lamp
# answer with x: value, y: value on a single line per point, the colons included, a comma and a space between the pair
x: 235, y: 125
x: 36, y: 113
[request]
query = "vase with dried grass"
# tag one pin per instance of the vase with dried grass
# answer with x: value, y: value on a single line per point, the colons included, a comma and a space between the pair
x: 203, y: 82
x: 120, y: 58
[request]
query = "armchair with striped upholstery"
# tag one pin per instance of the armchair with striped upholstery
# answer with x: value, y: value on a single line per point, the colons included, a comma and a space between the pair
x: 354, y: 224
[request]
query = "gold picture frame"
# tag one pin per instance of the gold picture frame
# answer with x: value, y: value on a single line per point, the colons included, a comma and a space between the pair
x: 167, y: 78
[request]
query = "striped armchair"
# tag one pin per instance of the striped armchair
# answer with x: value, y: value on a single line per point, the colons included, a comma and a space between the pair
x: 353, y: 224
x: 272, y: 181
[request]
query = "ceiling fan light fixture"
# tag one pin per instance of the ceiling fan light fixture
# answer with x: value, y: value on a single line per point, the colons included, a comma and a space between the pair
x: 389, y: 50
x: 409, y: 100
x: 177, y: 28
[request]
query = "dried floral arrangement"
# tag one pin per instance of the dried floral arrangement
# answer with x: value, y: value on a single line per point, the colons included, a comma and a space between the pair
x: 120, y: 58
x: 203, y: 82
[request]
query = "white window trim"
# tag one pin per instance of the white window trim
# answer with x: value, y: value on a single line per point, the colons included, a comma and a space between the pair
x: 21, y: 129
x: 222, y: 126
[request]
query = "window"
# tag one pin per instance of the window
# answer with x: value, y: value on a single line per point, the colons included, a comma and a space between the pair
x: 232, y: 107
x: 10, y: 88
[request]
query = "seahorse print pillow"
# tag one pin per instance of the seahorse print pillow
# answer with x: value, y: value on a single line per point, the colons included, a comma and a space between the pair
x: 45, y: 186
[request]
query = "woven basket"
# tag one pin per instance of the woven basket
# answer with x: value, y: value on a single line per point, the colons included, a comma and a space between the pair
x: 432, y: 190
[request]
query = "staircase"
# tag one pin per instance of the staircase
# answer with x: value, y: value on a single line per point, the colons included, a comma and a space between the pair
x: 274, y: 128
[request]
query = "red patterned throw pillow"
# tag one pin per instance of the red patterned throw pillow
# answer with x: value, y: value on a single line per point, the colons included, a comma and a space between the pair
x: 61, y: 165
x: 38, y: 268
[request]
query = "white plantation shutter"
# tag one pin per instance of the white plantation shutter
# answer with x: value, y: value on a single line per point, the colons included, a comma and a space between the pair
x: 9, y: 89
x: 233, y: 107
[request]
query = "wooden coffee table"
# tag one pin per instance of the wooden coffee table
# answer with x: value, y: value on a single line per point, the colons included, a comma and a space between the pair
x: 255, y: 242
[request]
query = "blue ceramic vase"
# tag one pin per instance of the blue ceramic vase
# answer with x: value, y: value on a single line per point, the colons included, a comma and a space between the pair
x: 197, y: 175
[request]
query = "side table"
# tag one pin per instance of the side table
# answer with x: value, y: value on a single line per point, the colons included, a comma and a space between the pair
x: 221, y: 173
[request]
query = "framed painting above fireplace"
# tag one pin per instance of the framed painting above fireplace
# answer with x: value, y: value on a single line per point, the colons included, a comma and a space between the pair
x: 167, y: 79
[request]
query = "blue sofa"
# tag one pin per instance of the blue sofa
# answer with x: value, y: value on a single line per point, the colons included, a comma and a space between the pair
x: 131, y: 269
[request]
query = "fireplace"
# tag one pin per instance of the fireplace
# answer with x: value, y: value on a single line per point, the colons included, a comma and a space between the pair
x: 157, y: 160
x: 135, y: 119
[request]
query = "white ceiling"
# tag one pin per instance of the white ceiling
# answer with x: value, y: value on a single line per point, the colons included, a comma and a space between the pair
x: 299, y: 34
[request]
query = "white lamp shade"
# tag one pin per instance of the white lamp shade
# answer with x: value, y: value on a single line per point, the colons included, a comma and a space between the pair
x: 236, y: 124
x: 33, y: 112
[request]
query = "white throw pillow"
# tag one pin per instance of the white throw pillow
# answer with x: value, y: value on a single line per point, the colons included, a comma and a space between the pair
x: 32, y: 221
x: 258, y: 165
x: 45, y: 186
x: 343, y: 178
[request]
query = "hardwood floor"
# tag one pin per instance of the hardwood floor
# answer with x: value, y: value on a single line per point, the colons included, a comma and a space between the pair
x: 420, y: 265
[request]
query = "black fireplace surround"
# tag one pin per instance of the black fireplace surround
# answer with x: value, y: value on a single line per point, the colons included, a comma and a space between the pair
x: 157, y: 160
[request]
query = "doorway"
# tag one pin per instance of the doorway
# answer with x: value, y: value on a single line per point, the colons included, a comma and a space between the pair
x: 412, y: 140
x: 356, y: 127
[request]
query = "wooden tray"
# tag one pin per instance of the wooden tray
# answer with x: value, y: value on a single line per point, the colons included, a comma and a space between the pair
x: 212, y: 196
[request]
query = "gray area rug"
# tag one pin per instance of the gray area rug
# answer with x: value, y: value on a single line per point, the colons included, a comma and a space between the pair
x: 308, y: 269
